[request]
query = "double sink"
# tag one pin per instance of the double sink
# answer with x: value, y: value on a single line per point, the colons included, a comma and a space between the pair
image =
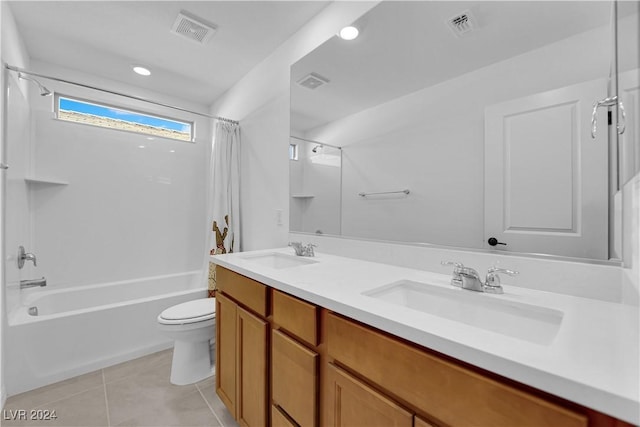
x: 496, y: 313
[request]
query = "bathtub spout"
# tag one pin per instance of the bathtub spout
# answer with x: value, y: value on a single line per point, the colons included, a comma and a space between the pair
x: 32, y: 283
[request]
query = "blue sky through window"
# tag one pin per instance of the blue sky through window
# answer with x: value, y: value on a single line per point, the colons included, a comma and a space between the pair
x: 66, y: 104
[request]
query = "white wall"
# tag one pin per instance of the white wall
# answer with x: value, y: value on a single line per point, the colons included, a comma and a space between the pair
x: 629, y: 66
x: 134, y: 205
x: 12, y: 51
x: 260, y: 101
x: 432, y: 142
x: 318, y: 175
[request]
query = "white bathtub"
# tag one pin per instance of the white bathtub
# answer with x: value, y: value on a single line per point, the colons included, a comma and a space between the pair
x: 78, y: 330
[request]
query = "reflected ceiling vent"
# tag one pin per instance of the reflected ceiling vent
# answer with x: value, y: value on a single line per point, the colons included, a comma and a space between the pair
x: 312, y: 81
x: 462, y: 24
x: 193, y: 28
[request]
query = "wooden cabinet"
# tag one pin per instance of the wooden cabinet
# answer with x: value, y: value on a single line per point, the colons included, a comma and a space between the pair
x: 226, y: 314
x: 441, y: 389
x: 280, y: 419
x: 285, y: 362
x: 242, y: 348
x: 297, y: 317
x: 294, y: 379
x: 350, y: 402
x: 251, y: 369
x: 248, y: 292
x: 295, y: 359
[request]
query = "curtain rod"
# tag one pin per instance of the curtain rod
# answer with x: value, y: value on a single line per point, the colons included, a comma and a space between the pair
x: 315, y: 142
x: 137, y: 98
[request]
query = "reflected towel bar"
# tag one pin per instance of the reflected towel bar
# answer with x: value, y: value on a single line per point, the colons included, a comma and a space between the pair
x: 383, y: 192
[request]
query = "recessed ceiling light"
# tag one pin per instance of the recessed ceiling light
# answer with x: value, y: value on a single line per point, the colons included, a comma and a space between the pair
x: 348, y: 33
x: 141, y: 70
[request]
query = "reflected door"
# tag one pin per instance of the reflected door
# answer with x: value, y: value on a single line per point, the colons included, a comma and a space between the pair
x: 546, y: 180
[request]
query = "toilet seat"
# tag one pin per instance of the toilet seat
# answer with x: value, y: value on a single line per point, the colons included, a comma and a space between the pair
x: 194, y: 311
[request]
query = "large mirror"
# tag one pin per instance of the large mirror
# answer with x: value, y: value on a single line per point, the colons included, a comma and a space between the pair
x: 464, y: 124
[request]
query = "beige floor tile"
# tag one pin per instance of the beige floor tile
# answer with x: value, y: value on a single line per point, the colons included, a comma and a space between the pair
x: 55, y: 392
x: 208, y: 389
x: 137, y: 366
x: 140, y: 395
x: 188, y: 409
x: 85, y: 409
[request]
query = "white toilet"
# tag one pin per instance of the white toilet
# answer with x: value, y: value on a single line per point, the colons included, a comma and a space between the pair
x: 192, y: 326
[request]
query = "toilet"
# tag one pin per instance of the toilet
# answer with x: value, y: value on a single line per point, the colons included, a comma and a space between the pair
x: 192, y: 326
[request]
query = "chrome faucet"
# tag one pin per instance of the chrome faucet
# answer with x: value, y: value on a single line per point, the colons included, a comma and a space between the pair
x: 32, y: 283
x: 471, y: 279
x: 303, y: 250
x: 468, y: 278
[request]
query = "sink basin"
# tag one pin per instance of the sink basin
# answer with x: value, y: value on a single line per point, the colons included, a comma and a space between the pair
x: 528, y: 322
x: 279, y: 261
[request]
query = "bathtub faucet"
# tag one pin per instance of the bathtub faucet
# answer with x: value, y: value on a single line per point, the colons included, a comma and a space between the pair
x: 32, y: 283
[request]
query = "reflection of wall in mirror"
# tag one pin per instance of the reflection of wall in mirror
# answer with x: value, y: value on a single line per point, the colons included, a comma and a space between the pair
x: 432, y: 141
x: 629, y: 91
x: 315, y: 189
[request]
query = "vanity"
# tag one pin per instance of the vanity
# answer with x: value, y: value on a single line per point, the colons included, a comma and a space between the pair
x: 462, y: 147
x: 336, y: 341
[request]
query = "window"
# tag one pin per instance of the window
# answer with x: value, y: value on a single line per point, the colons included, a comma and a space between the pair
x: 75, y: 110
x: 293, y: 151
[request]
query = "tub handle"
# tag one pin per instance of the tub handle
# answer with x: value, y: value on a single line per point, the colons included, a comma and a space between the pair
x: 25, y: 256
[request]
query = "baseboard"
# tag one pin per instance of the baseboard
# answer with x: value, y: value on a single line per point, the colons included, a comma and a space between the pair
x: 91, y: 367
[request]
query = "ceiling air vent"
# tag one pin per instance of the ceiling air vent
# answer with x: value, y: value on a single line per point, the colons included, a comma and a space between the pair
x: 312, y: 81
x: 193, y: 28
x: 462, y: 23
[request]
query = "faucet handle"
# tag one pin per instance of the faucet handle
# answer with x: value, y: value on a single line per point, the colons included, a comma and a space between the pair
x: 307, y: 250
x: 492, y: 282
x: 456, y: 280
x: 493, y: 270
x: 456, y: 264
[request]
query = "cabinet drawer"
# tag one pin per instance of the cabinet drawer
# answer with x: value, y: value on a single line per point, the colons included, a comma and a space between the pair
x: 294, y: 379
x: 452, y: 394
x: 350, y: 402
x: 278, y: 419
x: 296, y: 316
x: 247, y: 292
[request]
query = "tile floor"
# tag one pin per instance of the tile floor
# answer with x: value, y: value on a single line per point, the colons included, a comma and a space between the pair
x: 134, y: 393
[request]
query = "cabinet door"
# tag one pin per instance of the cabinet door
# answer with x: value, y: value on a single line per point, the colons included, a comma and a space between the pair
x: 294, y: 379
x: 278, y: 419
x: 419, y: 422
x: 251, y: 380
x: 226, y: 351
x: 350, y: 402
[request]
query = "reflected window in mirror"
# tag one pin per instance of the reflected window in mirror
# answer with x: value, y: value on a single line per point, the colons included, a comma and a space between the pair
x: 293, y: 151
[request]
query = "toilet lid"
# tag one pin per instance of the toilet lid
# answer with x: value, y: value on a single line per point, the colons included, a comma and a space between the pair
x: 200, y: 308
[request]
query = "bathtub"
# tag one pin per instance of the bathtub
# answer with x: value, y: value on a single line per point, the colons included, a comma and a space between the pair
x: 82, y: 329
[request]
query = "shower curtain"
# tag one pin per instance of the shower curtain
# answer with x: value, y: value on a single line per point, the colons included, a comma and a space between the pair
x: 225, y: 194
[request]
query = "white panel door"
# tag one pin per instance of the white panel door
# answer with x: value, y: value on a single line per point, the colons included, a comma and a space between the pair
x: 545, y: 177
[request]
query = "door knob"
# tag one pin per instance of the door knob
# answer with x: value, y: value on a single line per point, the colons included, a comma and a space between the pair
x: 493, y: 242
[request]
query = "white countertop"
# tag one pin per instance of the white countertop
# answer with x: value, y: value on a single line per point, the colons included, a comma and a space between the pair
x: 593, y: 359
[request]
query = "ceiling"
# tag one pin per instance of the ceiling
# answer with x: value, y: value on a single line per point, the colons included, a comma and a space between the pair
x: 105, y: 38
x: 407, y: 46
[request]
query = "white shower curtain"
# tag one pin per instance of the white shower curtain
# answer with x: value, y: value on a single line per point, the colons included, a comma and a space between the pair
x: 225, y: 193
